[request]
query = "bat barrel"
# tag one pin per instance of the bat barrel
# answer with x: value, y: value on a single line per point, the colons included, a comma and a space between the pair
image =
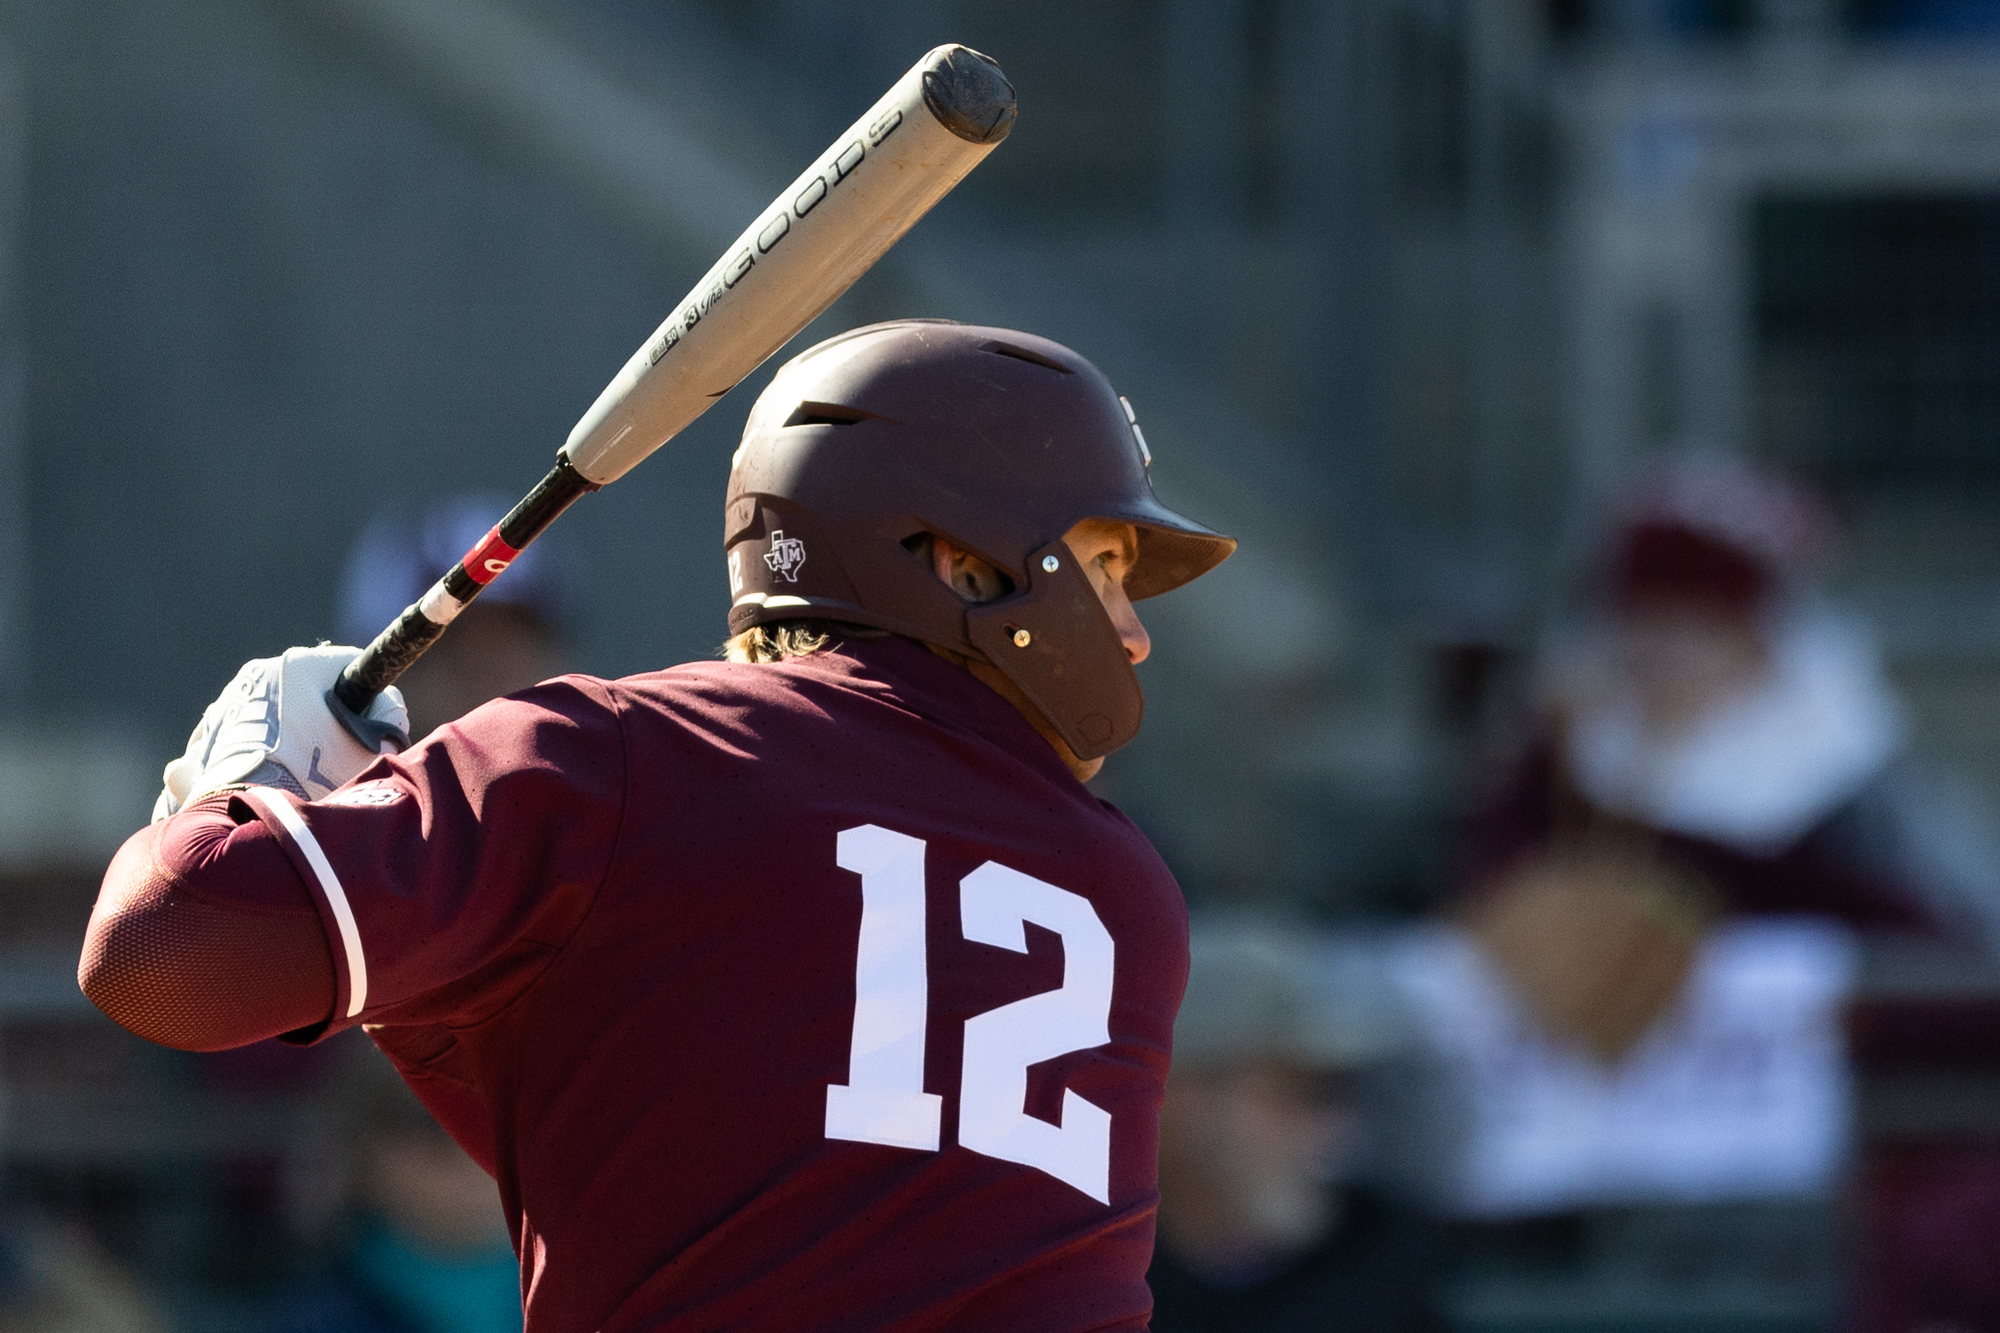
x: 819, y: 235
x: 825, y: 230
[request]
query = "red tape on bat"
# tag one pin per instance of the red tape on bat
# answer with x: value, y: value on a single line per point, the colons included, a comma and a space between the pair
x: 485, y: 561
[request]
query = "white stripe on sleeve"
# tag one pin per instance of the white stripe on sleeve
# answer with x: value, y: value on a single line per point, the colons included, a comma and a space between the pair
x: 281, y: 810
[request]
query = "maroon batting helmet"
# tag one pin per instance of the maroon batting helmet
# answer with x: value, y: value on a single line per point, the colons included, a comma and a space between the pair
x: 998, y: 442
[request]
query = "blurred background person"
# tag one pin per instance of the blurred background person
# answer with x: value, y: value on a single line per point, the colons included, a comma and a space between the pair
x: 1262, y: 1228
x: 1715, y: 805
x: 1719, y: 740
x: 414, y: 1246
x: 516, y: 635
x: 420, y: 1244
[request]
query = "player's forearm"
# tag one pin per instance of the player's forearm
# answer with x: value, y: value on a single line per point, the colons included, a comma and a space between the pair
x: 204, y: 937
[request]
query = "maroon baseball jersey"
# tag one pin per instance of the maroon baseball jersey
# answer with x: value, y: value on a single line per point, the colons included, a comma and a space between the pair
x: 816, y: 995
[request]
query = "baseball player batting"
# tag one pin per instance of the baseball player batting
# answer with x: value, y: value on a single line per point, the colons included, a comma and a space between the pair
x: 806, y: 989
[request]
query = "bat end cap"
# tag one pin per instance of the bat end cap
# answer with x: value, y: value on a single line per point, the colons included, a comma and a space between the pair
x: 968, y: 94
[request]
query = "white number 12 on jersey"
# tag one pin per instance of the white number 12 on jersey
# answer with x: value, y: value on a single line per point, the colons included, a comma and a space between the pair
x: 883, y: 1100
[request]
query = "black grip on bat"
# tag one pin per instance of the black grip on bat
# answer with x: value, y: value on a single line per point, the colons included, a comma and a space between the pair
x: 411, y: 633
x: 382, y: 661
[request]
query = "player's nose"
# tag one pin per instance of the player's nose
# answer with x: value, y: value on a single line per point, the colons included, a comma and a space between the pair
x: 1131, y: 632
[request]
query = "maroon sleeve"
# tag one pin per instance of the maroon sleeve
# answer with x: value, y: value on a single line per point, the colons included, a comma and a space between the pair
x: 204, y: 937
x: 435, y: 887
x: 447, y: 878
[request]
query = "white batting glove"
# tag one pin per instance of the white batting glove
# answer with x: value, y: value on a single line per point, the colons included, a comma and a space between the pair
x: 273, y: 727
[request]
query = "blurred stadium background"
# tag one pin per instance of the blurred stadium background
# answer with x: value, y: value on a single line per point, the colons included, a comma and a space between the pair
x: 1401, y: 289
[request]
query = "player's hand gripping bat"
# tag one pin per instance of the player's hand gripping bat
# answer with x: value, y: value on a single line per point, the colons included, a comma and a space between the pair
x: 809, y: 246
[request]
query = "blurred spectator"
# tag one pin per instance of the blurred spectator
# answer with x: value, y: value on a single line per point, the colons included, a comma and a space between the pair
x: 1718, y: 750
x: 1256, y: 1233
x: 1720, y: 742
x: 511, y: 638
x: 422, y: 1244
x: 56, y: 1280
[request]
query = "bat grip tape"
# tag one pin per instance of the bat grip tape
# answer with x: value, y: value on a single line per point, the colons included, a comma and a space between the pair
x: 412, y: 632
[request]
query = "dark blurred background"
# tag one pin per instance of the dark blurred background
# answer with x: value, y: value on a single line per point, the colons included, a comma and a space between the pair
x: 1403, y: 292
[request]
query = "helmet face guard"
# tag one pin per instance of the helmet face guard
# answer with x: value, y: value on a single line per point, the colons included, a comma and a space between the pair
x: 1051, y: 640
x: 996, y: 441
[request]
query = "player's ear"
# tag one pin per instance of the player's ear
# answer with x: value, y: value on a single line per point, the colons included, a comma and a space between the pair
x: 964, y: 573
x: 969, y: 576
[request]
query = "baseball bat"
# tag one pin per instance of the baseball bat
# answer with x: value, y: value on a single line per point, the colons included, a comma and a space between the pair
x: 930, y: 129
